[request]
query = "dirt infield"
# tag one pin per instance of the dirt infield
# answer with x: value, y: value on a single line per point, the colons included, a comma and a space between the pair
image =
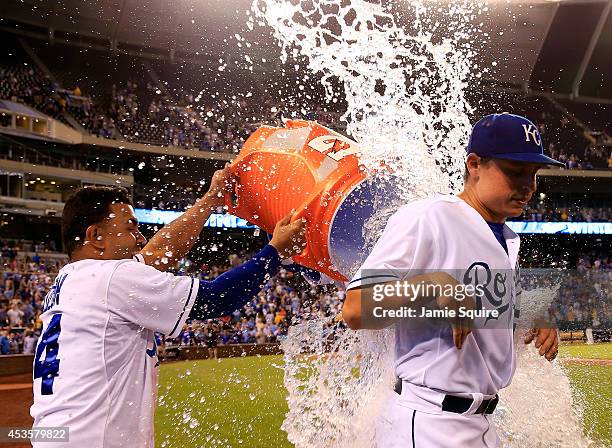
x: 16, y: 393
x: 587, y: 361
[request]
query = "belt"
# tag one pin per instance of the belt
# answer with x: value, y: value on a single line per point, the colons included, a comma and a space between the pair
x: 459, y: 405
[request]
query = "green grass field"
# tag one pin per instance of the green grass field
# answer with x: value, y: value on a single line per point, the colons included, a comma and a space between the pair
x: 241, y: 401
x: 595, y: 396
x: 593, y: 351
x: 232, y: 402
x: 593, y: 391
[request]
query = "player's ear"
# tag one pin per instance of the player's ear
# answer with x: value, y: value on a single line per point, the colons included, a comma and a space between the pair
x: 472, y: 163
x: 94, y: 238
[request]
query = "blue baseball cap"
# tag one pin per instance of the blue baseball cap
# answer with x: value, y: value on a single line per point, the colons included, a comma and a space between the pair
x: 509, y: 137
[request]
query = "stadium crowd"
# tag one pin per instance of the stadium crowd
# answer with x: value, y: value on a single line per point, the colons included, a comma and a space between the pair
x: 27, y: 84
x: 27, y: 279
x: 584, y: 297
x: 285, y: 300
x: 541, y: 212
x: 583, y: 300
x: 152, y: 114
x: 595, y: 156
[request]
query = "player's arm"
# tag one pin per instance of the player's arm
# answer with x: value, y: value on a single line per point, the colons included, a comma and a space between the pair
x: 407, y: 246
x: 392, y: 256
x: 162, y: 302
x: 173, y: 242
x: 359, y: 310
x: 234, y: 288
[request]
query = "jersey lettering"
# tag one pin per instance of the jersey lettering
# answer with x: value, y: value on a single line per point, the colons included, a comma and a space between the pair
x: 48, y: 369
x: 494, y: 297
x: 53, y: 296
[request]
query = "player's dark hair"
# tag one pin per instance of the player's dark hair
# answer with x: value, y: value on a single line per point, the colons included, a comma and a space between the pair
x: 466, y: 173
x: 87, y: 206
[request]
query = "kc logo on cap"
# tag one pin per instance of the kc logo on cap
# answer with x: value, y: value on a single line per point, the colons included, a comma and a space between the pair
x: 531, y: 132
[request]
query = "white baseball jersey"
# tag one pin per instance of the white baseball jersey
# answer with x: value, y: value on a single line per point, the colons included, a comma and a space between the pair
x: 96, y: 366
x: 445, y: 233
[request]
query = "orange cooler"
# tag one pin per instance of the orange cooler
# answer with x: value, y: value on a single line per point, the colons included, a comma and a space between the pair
x: 316, y: 172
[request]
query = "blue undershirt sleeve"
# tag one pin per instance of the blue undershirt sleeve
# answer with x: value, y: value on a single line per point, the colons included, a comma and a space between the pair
x: 234, y: 288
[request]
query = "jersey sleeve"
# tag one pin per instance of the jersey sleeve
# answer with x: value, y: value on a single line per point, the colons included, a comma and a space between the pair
x: 155, y: 300
x: 405, y: 247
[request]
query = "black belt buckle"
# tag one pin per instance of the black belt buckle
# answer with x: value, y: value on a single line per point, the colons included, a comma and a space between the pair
x: 489, y: 405
x: 455, y: 404
x: 398, y: 386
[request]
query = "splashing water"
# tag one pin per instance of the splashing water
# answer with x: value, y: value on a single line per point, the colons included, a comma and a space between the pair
x: 404, y: 84
x: 405, y: 94
x: 536, y: 409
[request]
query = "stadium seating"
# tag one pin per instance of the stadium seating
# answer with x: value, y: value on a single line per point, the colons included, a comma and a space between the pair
x: 200, y: 107
x: 564, y: 211
x: 22, y: 81
x: 27, y: 276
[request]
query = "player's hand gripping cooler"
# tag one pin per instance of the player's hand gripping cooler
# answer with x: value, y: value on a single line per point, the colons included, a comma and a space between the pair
x: 316, y: 172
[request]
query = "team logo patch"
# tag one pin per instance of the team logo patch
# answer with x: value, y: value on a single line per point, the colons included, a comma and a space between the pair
x: 495, y: 289
x: 531, y: 133
x: 334, y: 146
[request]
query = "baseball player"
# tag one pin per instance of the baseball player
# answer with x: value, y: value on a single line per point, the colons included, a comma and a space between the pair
x: 449, y: 375
x: 96, y: 367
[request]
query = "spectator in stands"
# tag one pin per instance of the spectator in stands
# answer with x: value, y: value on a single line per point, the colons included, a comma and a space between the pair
x: 211, y: 337
x: 5, y: 342
x: 29, y: 342
x: 15, y: 315
x: 187, y: 336
x: 4, y: 320
x: 225, y: 337
x: 15, y: 342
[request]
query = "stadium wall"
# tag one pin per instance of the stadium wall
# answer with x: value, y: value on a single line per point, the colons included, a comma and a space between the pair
x: 65, y: 133
x: 21, y: 364
x: 16, y: 364
x: 184, y: 353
